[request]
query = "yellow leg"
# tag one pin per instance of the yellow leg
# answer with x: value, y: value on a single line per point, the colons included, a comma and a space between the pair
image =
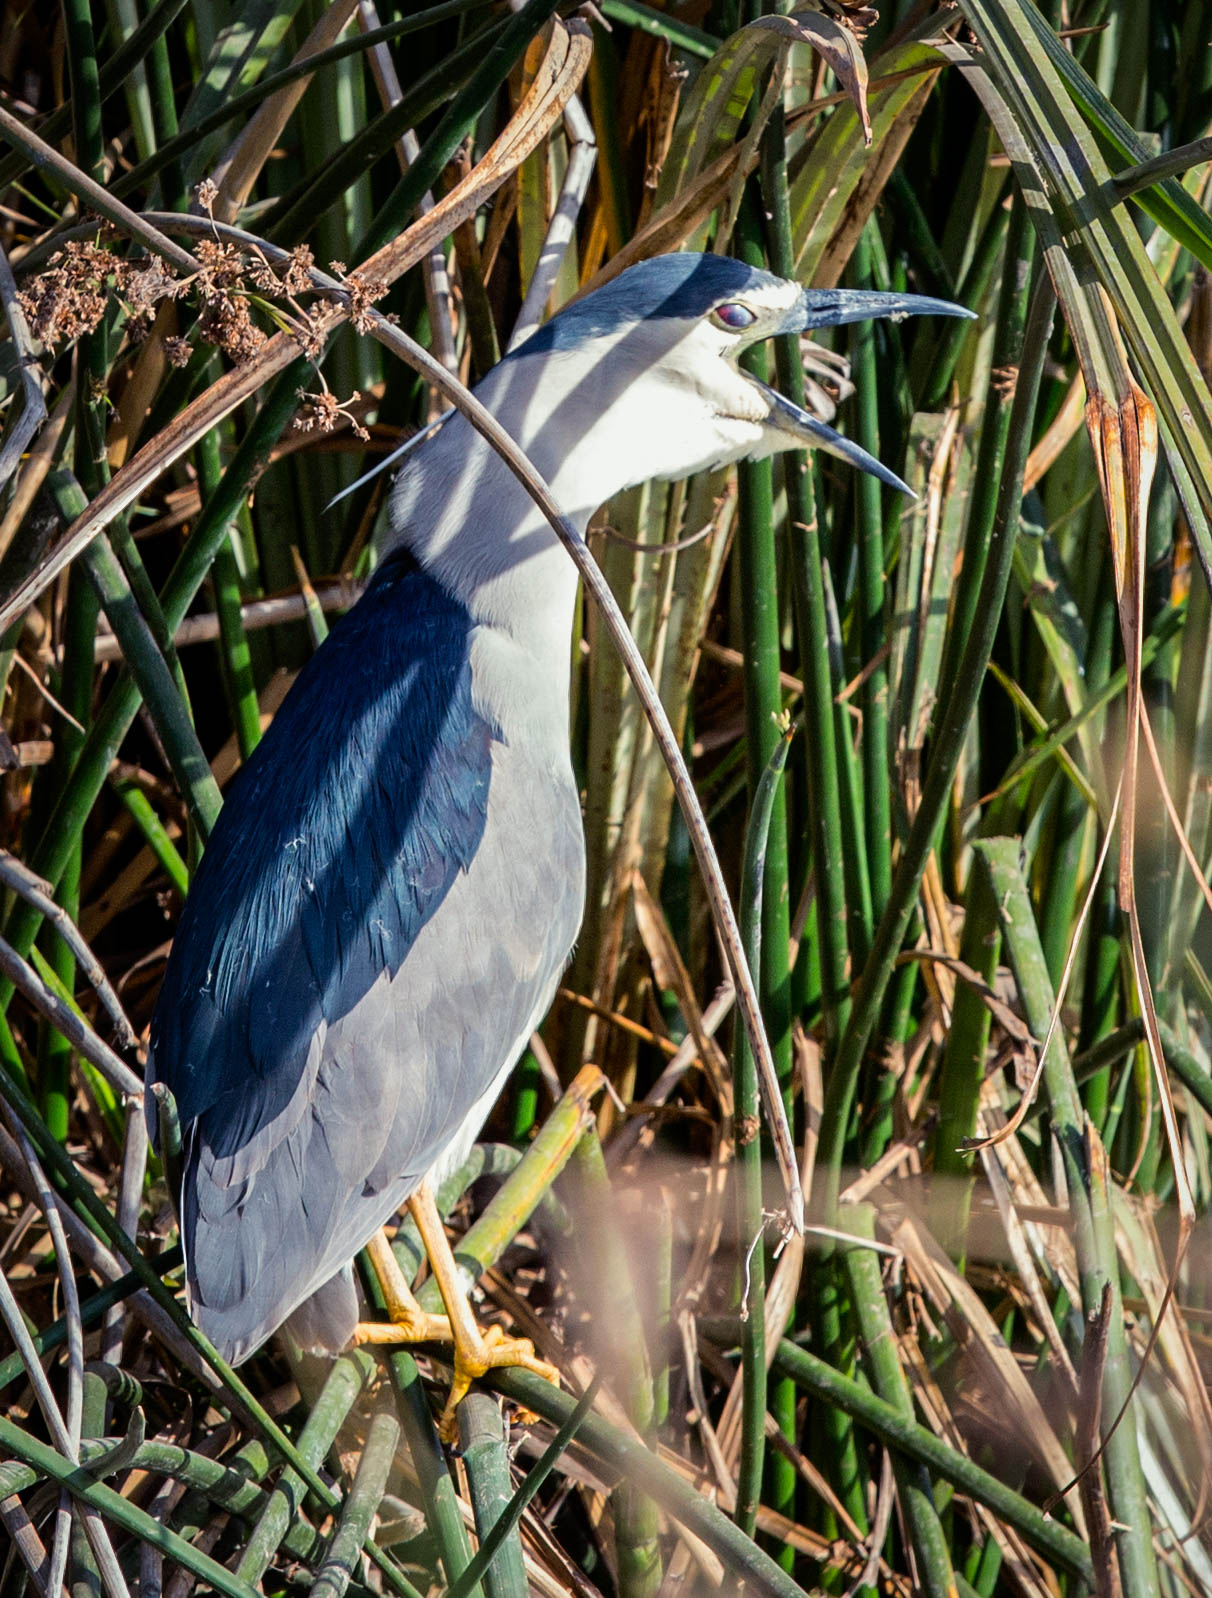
x: 409, y: 1323
x: 475, y: 1352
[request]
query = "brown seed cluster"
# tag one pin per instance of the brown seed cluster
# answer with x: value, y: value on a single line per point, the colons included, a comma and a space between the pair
x: 222, y: 267
x: 292, y: 279
x: 362, y: 292
x: 320, y: 413
x: 226, y: 318
x: 68, y: 299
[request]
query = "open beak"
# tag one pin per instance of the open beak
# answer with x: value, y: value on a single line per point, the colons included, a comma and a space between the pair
x: 795, y: 427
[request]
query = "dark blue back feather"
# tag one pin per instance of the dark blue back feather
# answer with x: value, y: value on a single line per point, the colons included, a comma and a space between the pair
x: 686, y: 285
x: 336, y: 844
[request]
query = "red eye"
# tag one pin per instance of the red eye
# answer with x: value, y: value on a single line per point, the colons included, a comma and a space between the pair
x: 735, y: 315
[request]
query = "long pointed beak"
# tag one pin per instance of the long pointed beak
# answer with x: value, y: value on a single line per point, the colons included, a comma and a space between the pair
x: 831, y: 307
x: 803, y: 430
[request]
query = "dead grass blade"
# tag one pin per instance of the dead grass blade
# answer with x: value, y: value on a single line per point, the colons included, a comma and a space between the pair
x: 236, y: 173
x: 1124, y: 438
x: 977, y: 1335
x: 562, y: 69
x: 670, y: 971
x: 837, y: 186
x: 711, y: 114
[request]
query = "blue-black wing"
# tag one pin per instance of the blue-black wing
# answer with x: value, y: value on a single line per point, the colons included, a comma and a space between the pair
x: 339, y: 840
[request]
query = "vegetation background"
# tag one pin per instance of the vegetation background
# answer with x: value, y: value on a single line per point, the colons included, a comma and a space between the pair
x: 956, y: 756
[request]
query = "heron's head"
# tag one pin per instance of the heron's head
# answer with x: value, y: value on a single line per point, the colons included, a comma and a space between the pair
x: 640, y: 379
x: 637, y: 380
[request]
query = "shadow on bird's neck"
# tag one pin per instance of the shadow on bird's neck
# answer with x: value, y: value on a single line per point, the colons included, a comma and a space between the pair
x: 469, y: 522
x: 602, y: 415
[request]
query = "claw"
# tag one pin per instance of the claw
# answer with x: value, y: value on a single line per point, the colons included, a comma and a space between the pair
x: 472, y: 1362
x: 476, y: 1350
x: 408, y: 1322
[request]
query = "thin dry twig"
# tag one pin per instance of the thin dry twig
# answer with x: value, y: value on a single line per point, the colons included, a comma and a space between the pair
x: 65, y: 1020
x: 33, y: 411
x: 30, y: 887
x: 1087, y: 1449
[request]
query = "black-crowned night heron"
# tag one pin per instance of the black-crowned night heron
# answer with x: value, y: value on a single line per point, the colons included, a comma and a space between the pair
x: 395, y: 882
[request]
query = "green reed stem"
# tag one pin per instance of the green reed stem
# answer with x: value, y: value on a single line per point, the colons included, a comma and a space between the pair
x: 747, y: 1125
x: 347, y: 1379
x: 808, y: 587
x: 75, y: 695
x: 505, y: 1523
x: 1086, y: 1174
x: 361, y: 1504
x: 659, y: 23
x: 482, y: 1444
x: 951, y: 727
x: 155, y: 834
x: 114, y: 720
x: 234, y: 654
x: 962, y: 1073
x: 825, y: 758
x: 915, y: 1442
x: 996, y: 431
x: 117, y: 1510
x: 459, y: 120
x: 954, y: 334
x: 678, y: 1498
x: 438, y: 1493
x: 148, y: 666
x: 882, y: 1359
x: 607, y: 1271
x: 871, y: 600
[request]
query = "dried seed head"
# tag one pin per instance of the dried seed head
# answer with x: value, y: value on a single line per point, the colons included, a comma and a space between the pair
x: 318, y: 413
x: 853, y: 14
x: 222, y: 267
x: 296, y: 279
x: 362, y: 293
x: 69, y: 298
x: 307, y: 332
x: 227, y: 322
x: 321, y: 412
x: 150, y: 282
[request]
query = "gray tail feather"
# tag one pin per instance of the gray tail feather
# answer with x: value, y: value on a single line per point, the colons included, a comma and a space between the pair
x: 325, y: 1322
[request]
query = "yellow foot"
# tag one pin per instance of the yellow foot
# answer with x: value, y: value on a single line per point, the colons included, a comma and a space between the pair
x: 490, y: 1350
x: 476, y: 1351
x: 419, y: 1328
x: 408, y: 1322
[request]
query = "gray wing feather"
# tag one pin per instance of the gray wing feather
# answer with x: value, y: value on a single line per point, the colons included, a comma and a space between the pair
x: 395, y: 1079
